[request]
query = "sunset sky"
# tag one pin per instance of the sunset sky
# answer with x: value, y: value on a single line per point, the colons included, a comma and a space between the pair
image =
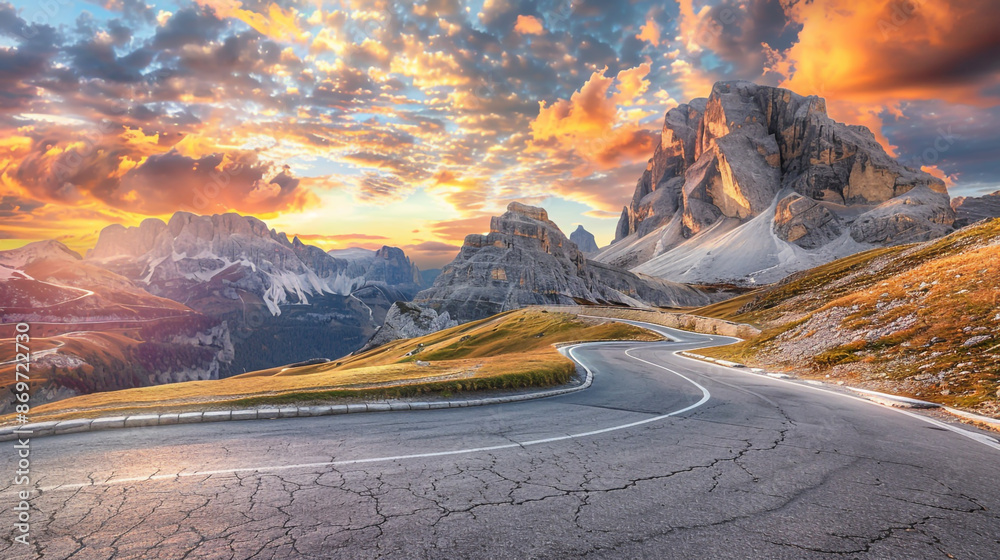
x: 371, y: 123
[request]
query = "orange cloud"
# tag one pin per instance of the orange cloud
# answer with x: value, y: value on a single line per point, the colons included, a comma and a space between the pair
x: 529, y: 25
x: 896, y: 51
x: 593, y: 122
x: 650, y: 32
x: 278, y: 23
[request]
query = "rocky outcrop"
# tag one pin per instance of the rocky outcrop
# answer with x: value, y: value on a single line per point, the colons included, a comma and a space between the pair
x: 918, y: 215
x: 805, y: 222
x: 524, y: 260
x: 406, y: 320
x: 527, y: 260
x: 971, y: 209
x: 584, y: 240
x: 748, y: 151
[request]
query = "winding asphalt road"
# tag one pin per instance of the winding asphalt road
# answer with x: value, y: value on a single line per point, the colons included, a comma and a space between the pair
x: 663, y: 457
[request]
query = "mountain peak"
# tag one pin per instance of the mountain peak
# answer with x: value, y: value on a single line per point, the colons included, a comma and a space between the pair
x: 532, y: 212
x: 48, y: 249
x: 584, y: 240
x: 766, y: 172
x: 527, y: 260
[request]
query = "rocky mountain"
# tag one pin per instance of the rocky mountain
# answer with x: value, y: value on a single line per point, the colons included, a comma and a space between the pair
x: 921, y: 320
x: 285, y: 300
x: 191, y: 250
x: 427, y: 277
x: 584, y: 240
x: 971, y: 209
x: 388, y: 267
x: 526, y: 260
x: 94, y: 330
x: 755, y: 182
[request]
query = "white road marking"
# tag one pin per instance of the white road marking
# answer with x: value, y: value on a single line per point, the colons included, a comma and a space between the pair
x: 705, y: 397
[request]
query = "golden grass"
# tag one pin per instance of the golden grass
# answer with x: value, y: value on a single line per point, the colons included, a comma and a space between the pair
x: 725, y: 309
x: 508, y: 351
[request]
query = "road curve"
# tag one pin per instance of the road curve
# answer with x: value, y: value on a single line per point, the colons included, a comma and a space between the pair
x: 663, y: 457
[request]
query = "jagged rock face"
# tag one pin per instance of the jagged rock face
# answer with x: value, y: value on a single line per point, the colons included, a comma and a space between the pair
x: 405, y: 320
x: 750, y: 150
x: 584, y: 240
x: 805, y: 222
x: 918, y: 215
x: 971, y: 209
x: 527, y: 260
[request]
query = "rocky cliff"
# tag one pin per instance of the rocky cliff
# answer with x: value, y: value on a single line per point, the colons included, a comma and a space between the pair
x: 971, y: 209
x: 584, y: 240
x: 755, y: 182
x: 527, y: 260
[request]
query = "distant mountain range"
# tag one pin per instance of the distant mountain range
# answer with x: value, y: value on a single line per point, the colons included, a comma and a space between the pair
x: 971, y: 209
x: 198, y: 297
x: 284, y: 300
x: 755, y: 182
x: 208, y: 261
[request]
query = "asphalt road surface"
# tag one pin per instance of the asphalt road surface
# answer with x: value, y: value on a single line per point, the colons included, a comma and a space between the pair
x: 663, y: 457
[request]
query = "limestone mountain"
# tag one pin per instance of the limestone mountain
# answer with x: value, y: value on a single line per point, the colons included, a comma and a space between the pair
x: 756, y: 182
x: 526, y: 259
x: 584, y: 240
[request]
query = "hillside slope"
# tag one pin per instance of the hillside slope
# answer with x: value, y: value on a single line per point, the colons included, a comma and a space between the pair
x: 93, y: 330
x: 921, y: 320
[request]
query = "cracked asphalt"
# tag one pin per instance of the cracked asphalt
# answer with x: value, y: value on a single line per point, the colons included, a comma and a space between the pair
x: 763, y: 469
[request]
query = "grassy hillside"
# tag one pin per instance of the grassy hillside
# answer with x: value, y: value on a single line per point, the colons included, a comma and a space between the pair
x: 508, y: 351
x: 922, y: 320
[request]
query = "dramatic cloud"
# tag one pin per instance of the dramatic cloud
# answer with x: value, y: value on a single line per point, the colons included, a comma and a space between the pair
x: 529, y: 25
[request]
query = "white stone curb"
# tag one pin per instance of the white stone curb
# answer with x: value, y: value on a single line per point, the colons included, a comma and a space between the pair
x: 893, y: 400
x: 724, y: 363
x: 39, y: 429
x: 991, y: 422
